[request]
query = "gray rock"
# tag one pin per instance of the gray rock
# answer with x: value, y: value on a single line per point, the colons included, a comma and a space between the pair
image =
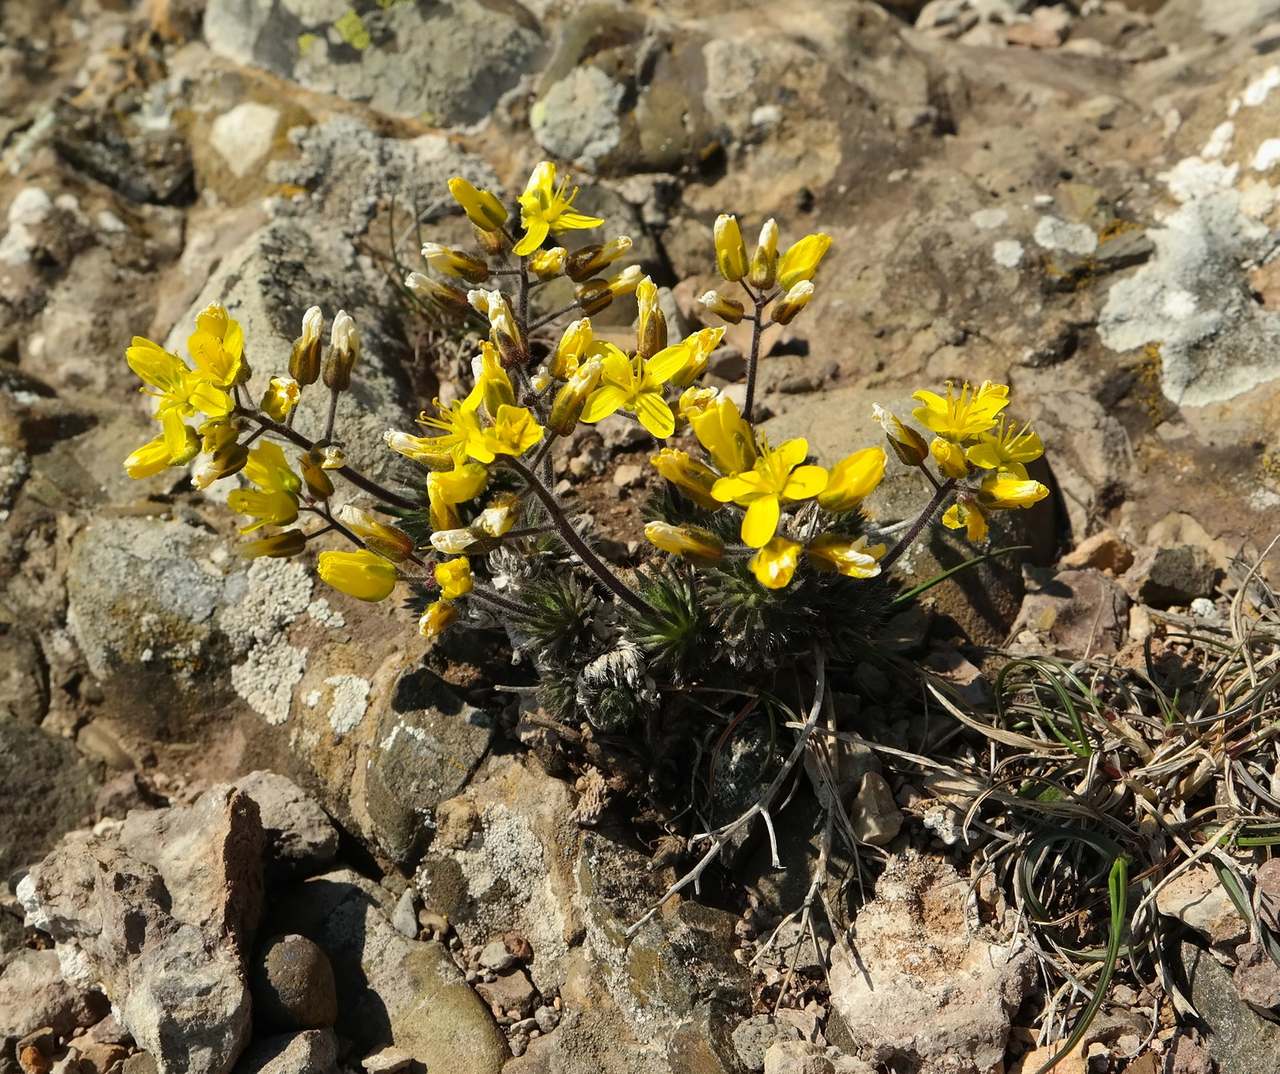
x: 875, y: 815
x: 1175, y: 575
x: 293, y: 986
x: 1198, y: 899
x: 33, y: 994
x: 925, y: 987
x: 495, y: 956
x: 1239, y: 1039
x: 510, y: 991
x: 313, y: 1051
x: 796, y: 1057
x: 393, y: 991
x: 300, y: 836
x: 578, y: 118
x: 428, y: 742
x: 1073, y: 612
x: 160, y: 910
x: 445, y: 64
x: 24, y: 679
x: 48, y: 790
x: 405, y: 915
x: 754, y: 1036
x: 1257, y: 979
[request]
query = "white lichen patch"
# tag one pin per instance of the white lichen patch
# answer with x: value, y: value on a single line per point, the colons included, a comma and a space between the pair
x: 1260, y: 88
x: 321, y: 611
x: 350, y: 702
x: 988, y: 219
x: 267, y: 677
x: 1219, y: 141
x: 269, y: 596
x: 1008, y: 253
x: 1267, y: 155
x: 1054, y: 234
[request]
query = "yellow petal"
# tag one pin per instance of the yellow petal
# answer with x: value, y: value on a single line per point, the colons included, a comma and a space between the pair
x: 604, y: 401
x: 655, y: 415
x: 805, y: 482
x: 760, y: 522
x: 775, y: 563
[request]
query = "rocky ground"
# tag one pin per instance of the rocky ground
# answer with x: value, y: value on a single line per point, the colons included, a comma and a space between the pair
x: 246, y: 825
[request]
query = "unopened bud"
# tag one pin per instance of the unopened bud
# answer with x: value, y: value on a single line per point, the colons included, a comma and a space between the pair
x: 548, y: 264
x: 569, y: 350
x: 317, y: 481
x: 344, y: 352
x: 227, y: 460
x: 482, y: 208
x: 727, y: 309
x: 456, y: 541
x: 625, y: 282
x: 277, y: 546
x: 304, y: 359
x: 594, y: 296
x: 802, y: 259
x: 907, y: 444
x: 280, y: 398
x: 764, y: 262
x: 449, y: 262
x: 503, y: 331
x: 731, y: 252
x: 790, y: 304
x: 651, y: 326
x: 437, y: 619
x: 583, y: 264
x: 691, y: 542
x: 332, y: 457
x: 445, y: 295
x: 379, y: 536
x: 569, y: 401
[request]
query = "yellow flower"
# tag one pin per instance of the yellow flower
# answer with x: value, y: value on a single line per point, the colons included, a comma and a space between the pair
x: 217, y: 347
x: 449, y: 262
x: 546, y: 207
x: 515, y: 430
x: 697, y: 349
x: 962, y: 417
x: 464, y: 482
x: 277, y: 546
x: 569, y: 351
x: 423, y: 449
x: 776, y: 476
x: 548, y: 264
x: 179, y: 392
x: 280, y: 397
x: 269, y: 508
x: 907, y: 444
x: 853, y: 479
x: 1006, y: 490
x: 725, y: 435
x: 695, y: 401
x: 1008, y: 449
x: 635, y: 385
x: 363, y: 574
x: 381, y: 537
x: 270, y: 471
x: 436, y: 619
x: 463, y: 436
x: 731, y: 254
x: 966, y: 516
x: 764, y: 262
x: 690, y: 476
x: 492, y: 381
x: 454, y: 578
x: 802, y: 259
x: 482, y: 208
x: 852, y: 558
x: 691, y: 542
x: 775, y: 563
x: 949, y: 457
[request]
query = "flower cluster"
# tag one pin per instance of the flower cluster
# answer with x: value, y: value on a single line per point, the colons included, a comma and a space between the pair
x: 763, y: 527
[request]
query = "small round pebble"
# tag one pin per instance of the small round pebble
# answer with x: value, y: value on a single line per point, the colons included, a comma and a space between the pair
x: 293, y: 986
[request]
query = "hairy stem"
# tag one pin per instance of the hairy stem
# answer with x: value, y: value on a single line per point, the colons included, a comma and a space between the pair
x: 908, y: 538
x: 332, y: 417
x: 574, y: 539
x: 753, y: 360
x: 354, y: 476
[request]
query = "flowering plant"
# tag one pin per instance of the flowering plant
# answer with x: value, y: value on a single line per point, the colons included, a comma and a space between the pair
x: 760, y: 553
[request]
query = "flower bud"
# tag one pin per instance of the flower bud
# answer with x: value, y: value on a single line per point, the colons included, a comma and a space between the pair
x: 651, y: 326
x: 418, y: 448
x: 503, y: 331
x: 801, y: 260
x: 445, y: 295
x: 548, y: 264
x: 438, y: 617
x: 949, y: 458
x: 456, y: 541
x: 569, y: 350
x: 482, y: 208
x: 277, y: 546
x: 332, y: 457
x: 852, y: 558
x: 764, y: 262
x: 318, y: 484
x: 454, y: 578
x: 449, y: 262
x: 383, y: 538
x: 498, y: 516
x: 585, y: 263
x: 790, y: 304
x: 569, y: 401
x: 692, y: 542
x: 626, y: 281
x: 907, y: 444
x: 227, y: 460
x: 688, y: 475
x: 853, y: 479
x: 594, y: 296
x: 363, y: 574
x: 496, y: 389
x: 344, y: 352
x: 280, y: 397
x: 731, y: 254
x: 726, y: 309
x: 304, y: 359
x: 696, y: 400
